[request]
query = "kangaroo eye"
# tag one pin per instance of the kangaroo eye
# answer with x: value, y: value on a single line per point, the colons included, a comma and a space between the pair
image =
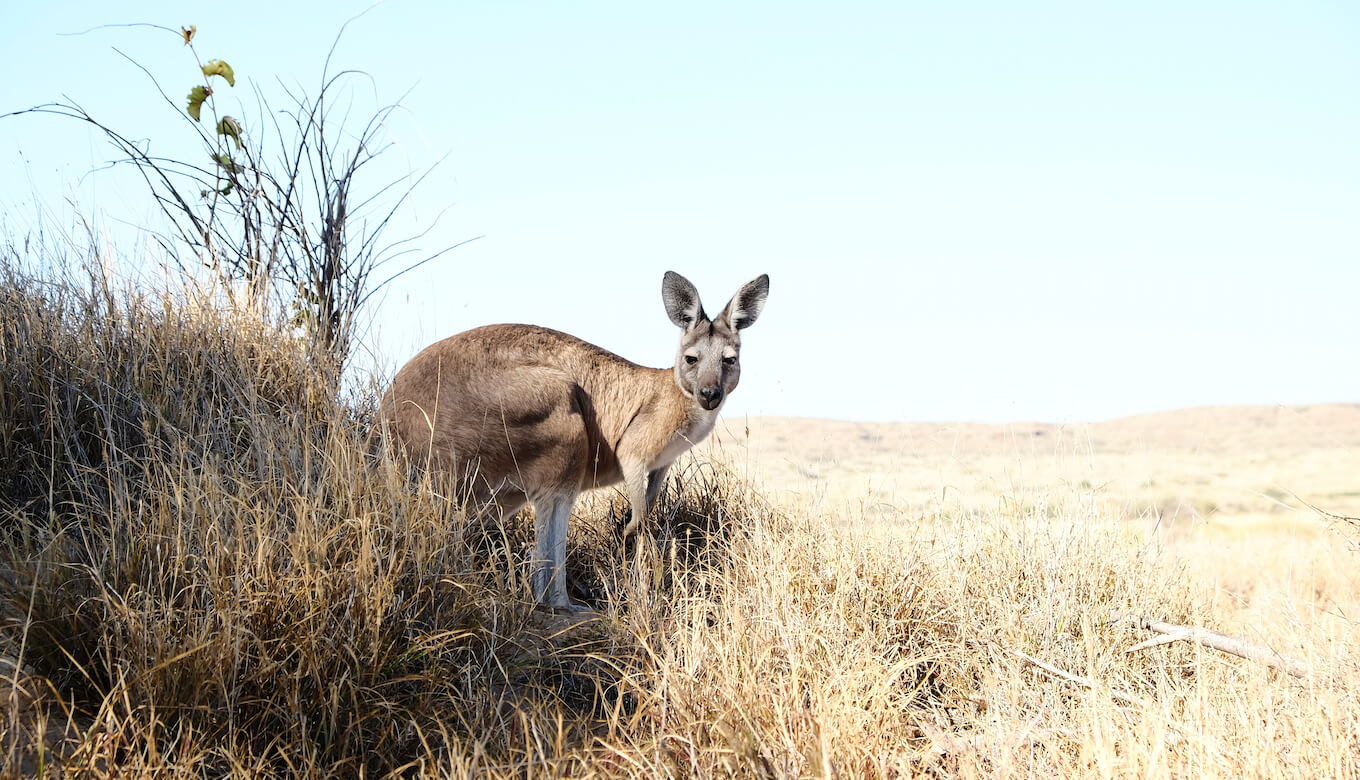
x: 730, y: 361
x: 691, y: 359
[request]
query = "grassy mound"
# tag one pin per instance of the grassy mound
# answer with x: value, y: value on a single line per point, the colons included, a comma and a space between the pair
x: 204, y: 572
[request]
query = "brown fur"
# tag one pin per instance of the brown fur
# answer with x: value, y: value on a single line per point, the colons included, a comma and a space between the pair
x: 508, y: 402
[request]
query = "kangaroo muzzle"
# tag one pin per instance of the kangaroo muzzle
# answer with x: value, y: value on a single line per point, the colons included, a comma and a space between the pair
x: 710, y: 397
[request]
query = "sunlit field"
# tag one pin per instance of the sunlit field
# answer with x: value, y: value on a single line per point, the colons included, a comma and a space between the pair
x: 1248, y: 511
x: 206, y: 572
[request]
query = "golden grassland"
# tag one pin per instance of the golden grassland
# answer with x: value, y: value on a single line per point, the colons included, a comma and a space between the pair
x: 1236, y: 505
x: 204, y: 574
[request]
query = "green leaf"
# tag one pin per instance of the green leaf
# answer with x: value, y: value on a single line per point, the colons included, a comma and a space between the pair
x: 219, y: 68
x: 231, y: 128
x: 205, y: 194
x: 196, y: 97
x: 225, y: 162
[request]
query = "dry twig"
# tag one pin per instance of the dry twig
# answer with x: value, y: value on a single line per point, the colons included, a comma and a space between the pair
x: 1083, y: 681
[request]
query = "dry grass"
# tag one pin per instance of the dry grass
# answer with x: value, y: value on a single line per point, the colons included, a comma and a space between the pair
x: 204, y: 574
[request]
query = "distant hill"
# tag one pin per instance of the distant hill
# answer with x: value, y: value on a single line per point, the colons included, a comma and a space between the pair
x: 1238, y: 463
x: 1226, y: 429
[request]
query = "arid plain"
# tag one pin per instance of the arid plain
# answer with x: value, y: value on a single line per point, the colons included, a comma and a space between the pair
x: 1256, y: 503
x: 1252, y: 510
x: 1246, y: 496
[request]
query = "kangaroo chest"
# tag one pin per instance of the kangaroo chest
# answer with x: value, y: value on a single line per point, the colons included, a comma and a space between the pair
x: 684, y: 439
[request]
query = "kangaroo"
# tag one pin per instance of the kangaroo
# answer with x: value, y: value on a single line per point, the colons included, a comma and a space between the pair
x: 519, y: 414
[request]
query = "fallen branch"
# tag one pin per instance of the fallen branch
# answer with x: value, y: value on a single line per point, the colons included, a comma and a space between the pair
x: 1133, y: 716
x: 1221, y: 642
x: 1085, y: 682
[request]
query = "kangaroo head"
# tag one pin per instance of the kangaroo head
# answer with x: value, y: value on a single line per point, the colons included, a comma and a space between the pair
x: 708, y: 365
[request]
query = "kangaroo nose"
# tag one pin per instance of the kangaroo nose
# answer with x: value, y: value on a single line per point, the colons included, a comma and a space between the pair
x: 711, y: 394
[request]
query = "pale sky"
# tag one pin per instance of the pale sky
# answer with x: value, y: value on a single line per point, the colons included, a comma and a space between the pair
x: 969, y: 211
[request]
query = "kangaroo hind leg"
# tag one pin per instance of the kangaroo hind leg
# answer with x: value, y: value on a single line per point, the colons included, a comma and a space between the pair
x: 551, y: 515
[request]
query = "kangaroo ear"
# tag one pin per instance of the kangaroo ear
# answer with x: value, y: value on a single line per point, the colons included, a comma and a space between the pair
x: 745, y: 306
x: 682, y: 301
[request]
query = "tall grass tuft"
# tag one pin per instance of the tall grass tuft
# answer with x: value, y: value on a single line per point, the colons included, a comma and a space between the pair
x: 202, y: 562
